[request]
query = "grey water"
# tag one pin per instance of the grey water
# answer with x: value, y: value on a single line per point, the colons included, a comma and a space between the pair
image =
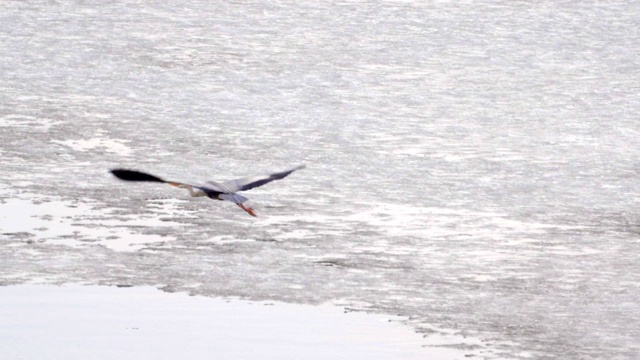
x: 471, y: 165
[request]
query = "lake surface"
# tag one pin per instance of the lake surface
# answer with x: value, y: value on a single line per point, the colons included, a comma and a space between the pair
x: 100, y: 322
x: 472, y: 166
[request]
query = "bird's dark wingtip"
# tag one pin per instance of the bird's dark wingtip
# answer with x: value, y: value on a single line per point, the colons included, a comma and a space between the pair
x: 133, y: 175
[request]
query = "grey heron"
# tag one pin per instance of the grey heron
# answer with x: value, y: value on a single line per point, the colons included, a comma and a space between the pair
x: 214, y: 190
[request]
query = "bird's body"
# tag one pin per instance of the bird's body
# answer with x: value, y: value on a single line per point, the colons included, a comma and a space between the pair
x: 214, y: 190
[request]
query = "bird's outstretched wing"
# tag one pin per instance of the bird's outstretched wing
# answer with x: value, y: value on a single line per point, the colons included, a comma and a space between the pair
x: 251, y: 182
x: 132, y: 175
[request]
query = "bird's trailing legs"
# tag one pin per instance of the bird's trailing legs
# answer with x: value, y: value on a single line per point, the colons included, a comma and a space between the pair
x: 248, y: 209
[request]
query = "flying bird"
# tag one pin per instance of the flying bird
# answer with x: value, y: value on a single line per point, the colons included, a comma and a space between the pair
x: 214, y: 190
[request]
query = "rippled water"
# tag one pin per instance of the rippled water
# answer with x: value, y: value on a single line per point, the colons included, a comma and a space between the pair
x: 471, y: 165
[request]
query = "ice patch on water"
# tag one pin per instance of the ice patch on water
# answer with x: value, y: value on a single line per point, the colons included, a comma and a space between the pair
x: 72, y: 223
x: 31, y: 122
x: 226, y: 239
x: 108, y: 145
x: 403, y: 220
x: 400, y: 220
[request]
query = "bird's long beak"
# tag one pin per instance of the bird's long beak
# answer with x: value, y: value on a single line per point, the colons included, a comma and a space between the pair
x: 248, y: 209
x: 173, y: 183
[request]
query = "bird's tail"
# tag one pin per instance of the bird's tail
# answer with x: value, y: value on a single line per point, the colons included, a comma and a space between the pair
x: 235, y: 198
